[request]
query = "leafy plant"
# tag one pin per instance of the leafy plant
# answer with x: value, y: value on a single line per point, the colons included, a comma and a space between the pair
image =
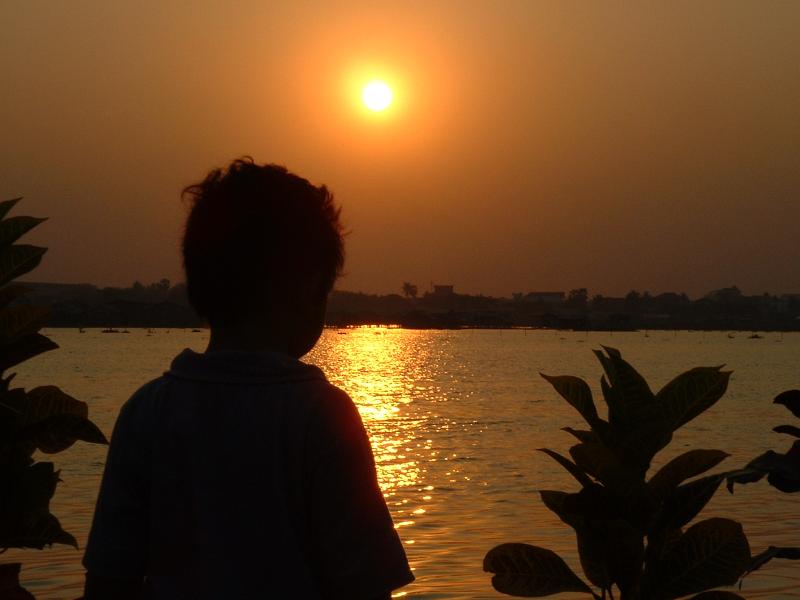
x: 781, y: 470
x: 44, y: 418
x: 630, y: 530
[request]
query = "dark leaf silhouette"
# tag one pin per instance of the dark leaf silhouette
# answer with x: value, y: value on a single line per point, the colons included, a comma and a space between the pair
x: 617, y: 510
x: 575, y: 391
x: 791, y: 400
x: 14, y: 228
x: 530, y: 571
x: 789, y: 429
x: 692, y: 393
x: 683, y: 467
x: 23, y: 349
x: 782, y: 470
x: 45, y: 418
x: 17, y: 260
x: 759, y: 560
x: 711, y: 553
x: 571, y: 467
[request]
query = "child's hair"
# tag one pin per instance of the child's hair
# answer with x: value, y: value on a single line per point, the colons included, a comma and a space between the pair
x: 253, y: 233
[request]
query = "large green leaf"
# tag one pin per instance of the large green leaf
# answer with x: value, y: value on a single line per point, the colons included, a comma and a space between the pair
x: 692, y: 393
x: 14, y: 228
x: 17, y: 260
x: 17, y: 321
x: 7, y: 205
x: 577, y: 392
x: 23, y: 349
x: 683, y: 467
x: 710, y: 554
x: 530, y: 571
x: 59, y: 432
x: 571, y: 467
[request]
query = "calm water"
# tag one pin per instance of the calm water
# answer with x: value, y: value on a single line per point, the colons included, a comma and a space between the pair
x: 455, y: 418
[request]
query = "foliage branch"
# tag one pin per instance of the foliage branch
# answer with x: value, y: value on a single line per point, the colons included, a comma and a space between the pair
x: 632, y: 531
x: 44, y: 418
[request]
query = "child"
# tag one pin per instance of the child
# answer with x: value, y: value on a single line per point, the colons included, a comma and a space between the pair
x: 241, y: 472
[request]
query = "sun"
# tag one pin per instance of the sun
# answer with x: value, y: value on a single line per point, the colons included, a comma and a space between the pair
x: 377, y: 95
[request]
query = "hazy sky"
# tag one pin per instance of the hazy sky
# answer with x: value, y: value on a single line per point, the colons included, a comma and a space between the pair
x: 532, y: 145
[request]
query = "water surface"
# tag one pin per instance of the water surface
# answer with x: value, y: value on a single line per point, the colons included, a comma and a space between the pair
x: 455, y: 418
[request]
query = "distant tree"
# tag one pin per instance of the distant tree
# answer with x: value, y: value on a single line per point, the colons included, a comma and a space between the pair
x: 409, y: 290
x: 517, y: 296
x: 578, y: 298
x: 632, y: 300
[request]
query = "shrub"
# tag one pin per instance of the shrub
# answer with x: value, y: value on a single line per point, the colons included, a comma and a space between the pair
x: 630, y: 530
x: 44, y: 418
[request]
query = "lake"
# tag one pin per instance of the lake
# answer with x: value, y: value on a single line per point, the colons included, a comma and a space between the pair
x: 455, y: 418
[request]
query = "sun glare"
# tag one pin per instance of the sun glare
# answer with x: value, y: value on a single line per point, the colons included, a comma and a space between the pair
x: 377, y: 96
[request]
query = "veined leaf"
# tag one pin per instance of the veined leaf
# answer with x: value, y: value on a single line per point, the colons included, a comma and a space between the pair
x: 16, y: 321
x: 692, y: 393
x: 48, y: 401
x: 14, y: 228
x: 683, y: 467
x: 7, y: 205
x: 571, y: 467
x: 711, y: 553
x: 791, y: 400
x: 56, y: 433
x: 577, y: 392
x: 11, y: 292
x: 17, y: 260
x: 23, y: 349
x: 530, y: 571
x: 686, y: 501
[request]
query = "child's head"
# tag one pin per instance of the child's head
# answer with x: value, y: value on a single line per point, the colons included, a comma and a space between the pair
x: 259, y: 241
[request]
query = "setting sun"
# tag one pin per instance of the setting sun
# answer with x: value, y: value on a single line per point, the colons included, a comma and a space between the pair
x: 377, y: 96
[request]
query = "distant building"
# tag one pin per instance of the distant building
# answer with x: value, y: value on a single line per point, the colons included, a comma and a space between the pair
x: 443, y: 290
x: 546, y: 297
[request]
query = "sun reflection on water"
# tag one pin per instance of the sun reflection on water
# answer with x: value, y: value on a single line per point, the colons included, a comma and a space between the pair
x: 372, y: 366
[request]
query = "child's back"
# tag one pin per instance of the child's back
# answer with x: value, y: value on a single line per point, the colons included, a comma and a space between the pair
x: 243, y: 473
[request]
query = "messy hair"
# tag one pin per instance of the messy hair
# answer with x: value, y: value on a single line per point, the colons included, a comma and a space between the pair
x: 253, y: 233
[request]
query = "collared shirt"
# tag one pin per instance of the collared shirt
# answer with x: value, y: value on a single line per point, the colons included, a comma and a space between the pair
x: 244, y: 475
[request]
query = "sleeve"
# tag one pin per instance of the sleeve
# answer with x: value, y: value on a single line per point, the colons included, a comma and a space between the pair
x: 117, y: 546
x: 356, y: 552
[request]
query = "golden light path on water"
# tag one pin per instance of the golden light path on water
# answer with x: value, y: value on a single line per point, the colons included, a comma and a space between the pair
x: 371, y: 369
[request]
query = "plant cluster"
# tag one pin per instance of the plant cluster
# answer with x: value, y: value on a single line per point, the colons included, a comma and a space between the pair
x: 781, y: 470
x: 44, y: 418
x: 631, y: 531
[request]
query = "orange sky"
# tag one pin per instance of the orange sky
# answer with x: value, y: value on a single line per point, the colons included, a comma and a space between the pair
x: 531, y: 145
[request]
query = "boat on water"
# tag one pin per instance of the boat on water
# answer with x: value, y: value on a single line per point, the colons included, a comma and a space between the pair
x: 110, y: 330
x: 755, y: 336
